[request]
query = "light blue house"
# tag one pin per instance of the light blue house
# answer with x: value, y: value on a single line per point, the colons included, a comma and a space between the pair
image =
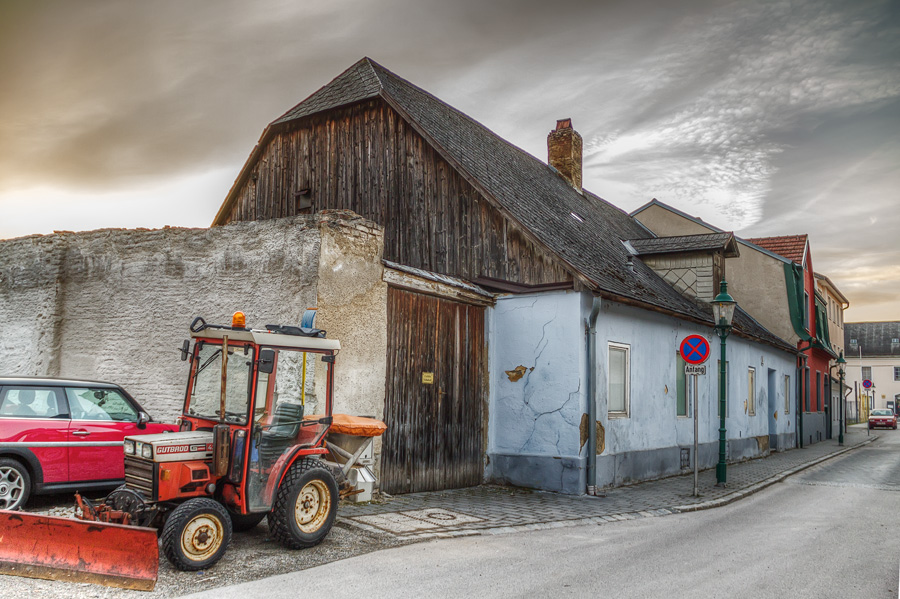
x: 587, y: 388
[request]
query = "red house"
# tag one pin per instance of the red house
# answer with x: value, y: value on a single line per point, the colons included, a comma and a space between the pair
x: 809, y: 318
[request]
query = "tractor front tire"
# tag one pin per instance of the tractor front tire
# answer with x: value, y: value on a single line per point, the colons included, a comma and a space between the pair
x: 305, y: 506
x: 196, y: 534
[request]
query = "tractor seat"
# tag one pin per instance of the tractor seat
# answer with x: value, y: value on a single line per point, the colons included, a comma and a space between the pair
x: 281, y: 433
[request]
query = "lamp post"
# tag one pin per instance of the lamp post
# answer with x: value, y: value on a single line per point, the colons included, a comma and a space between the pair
x: 842, y: 364
x: 723, y: 313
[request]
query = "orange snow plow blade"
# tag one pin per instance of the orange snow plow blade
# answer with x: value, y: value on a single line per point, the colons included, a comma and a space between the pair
x: 77, y: 551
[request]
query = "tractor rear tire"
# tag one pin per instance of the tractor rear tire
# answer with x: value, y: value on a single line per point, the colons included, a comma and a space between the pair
x: 305, y: 506
x: 245, y: 522
x: 196, y: 534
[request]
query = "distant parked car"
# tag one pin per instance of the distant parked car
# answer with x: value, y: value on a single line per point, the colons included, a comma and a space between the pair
x: 59, y: 435
x: 883, y: 418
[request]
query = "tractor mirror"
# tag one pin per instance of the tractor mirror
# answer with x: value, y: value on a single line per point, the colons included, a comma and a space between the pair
x: 266, y: 361
x: 185, y: 350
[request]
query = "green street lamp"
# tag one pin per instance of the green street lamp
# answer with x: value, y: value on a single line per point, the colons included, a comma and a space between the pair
x: 842, y: 364
x: 723, y: 313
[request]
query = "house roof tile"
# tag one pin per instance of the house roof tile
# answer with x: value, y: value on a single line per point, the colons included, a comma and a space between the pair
x: 874, y: 338
x: 684, y: 243
x: 792, y: 247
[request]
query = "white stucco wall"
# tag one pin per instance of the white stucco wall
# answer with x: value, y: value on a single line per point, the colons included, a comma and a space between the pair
x: 537, y: 428
x: 652, y: 423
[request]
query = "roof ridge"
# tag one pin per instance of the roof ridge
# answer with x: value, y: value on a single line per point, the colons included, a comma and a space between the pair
x: 356, y: 67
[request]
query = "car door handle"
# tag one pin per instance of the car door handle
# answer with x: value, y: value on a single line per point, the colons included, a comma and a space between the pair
x: 81, y: 433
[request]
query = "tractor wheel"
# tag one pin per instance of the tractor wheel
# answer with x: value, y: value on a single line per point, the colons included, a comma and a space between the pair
x: 15, y: 484
x: 245, y: 522
x: 196, y: 534
x: 305, y: 506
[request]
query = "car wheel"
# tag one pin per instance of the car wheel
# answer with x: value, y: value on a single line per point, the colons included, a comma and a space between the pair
x: 15, y: 484
x: 305, y: 507
x: 196, y: 534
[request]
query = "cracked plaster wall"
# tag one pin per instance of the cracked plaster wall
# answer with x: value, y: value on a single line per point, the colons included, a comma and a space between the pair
x: 537, y: 391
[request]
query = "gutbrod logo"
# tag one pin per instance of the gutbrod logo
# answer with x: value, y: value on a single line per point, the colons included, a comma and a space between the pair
x: 184, y: 448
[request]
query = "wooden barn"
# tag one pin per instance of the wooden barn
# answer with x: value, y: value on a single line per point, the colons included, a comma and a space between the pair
x: 458, y: 204
x: 375, y: 144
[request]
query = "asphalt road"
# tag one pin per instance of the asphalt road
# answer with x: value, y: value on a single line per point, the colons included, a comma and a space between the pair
x: 831, y: 531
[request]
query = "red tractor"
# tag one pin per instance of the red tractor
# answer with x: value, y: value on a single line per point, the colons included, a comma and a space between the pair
x: 246, y: 449
x: 251, y: 434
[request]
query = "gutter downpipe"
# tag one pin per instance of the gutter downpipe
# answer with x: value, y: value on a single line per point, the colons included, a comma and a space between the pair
x: 801, y: 380
x: 592, y: 396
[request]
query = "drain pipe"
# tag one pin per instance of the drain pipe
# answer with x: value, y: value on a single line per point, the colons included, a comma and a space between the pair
x: 801, y: 383
x: 592, y: 396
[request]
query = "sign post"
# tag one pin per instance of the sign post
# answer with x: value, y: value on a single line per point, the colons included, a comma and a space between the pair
x: 694, y: 351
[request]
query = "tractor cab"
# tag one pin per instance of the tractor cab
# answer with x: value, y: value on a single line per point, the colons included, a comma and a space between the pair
x: 271, y: 390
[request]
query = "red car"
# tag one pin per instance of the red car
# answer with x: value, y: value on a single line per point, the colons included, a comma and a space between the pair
x: 61, y: 435
x: 884, y: 418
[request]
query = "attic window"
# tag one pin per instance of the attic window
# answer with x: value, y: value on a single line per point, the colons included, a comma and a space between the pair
x: 895, y: 340
x: 577, y: 216
x: 853, y: 342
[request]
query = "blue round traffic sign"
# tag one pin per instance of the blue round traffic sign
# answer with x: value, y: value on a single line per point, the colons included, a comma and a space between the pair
x: 694, y: 349
x: 867, y: 384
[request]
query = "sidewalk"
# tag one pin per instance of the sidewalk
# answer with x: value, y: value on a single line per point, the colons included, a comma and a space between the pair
x: 498, y: 510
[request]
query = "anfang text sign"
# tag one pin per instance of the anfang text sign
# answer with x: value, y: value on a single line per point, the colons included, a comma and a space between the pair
x: 695, y: 369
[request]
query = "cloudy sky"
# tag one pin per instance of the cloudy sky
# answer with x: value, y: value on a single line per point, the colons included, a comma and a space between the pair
x: 766, y: 118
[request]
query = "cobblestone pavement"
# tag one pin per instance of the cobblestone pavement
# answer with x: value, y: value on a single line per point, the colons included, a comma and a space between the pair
x: 497, y: 510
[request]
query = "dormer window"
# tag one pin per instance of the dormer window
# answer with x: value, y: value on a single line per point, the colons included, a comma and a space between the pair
x: 853, y: 342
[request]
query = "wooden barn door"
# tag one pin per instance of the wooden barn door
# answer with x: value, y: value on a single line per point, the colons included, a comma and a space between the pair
x: 434, y: 435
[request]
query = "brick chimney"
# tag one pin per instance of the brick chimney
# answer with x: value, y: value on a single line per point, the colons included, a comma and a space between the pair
x: 564, y: 152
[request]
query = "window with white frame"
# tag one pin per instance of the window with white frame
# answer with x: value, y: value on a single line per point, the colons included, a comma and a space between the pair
x: 787, y: 394
x: 867, y: 373
x: 619, y: 380
x: 751, y: 391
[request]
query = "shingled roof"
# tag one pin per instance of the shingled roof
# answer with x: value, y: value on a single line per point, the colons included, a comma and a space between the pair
x: 875, y: 339
x: 792, y: 247
x: 686, y: 243
x: 583, y: 230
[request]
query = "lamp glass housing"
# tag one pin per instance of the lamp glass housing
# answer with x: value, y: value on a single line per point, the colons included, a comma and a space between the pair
x: 723, y: 306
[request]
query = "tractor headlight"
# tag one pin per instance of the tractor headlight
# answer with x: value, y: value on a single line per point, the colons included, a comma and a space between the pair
x: 147, y: 451
x: 129, y: 447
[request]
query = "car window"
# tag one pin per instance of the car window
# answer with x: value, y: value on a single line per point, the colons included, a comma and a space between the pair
x: 29, y: 402
x: 99, y: 404
x: 881, y: 412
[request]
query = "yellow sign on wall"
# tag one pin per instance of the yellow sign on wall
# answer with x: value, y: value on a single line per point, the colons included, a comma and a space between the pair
x: 428, y: 378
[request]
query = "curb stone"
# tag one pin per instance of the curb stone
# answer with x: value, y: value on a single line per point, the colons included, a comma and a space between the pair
x: 618, y: 517
x: 759, y: 486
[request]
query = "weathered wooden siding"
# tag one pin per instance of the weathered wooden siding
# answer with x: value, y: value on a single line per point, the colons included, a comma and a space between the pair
x: 434, y: 438
x: 367, y: 159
